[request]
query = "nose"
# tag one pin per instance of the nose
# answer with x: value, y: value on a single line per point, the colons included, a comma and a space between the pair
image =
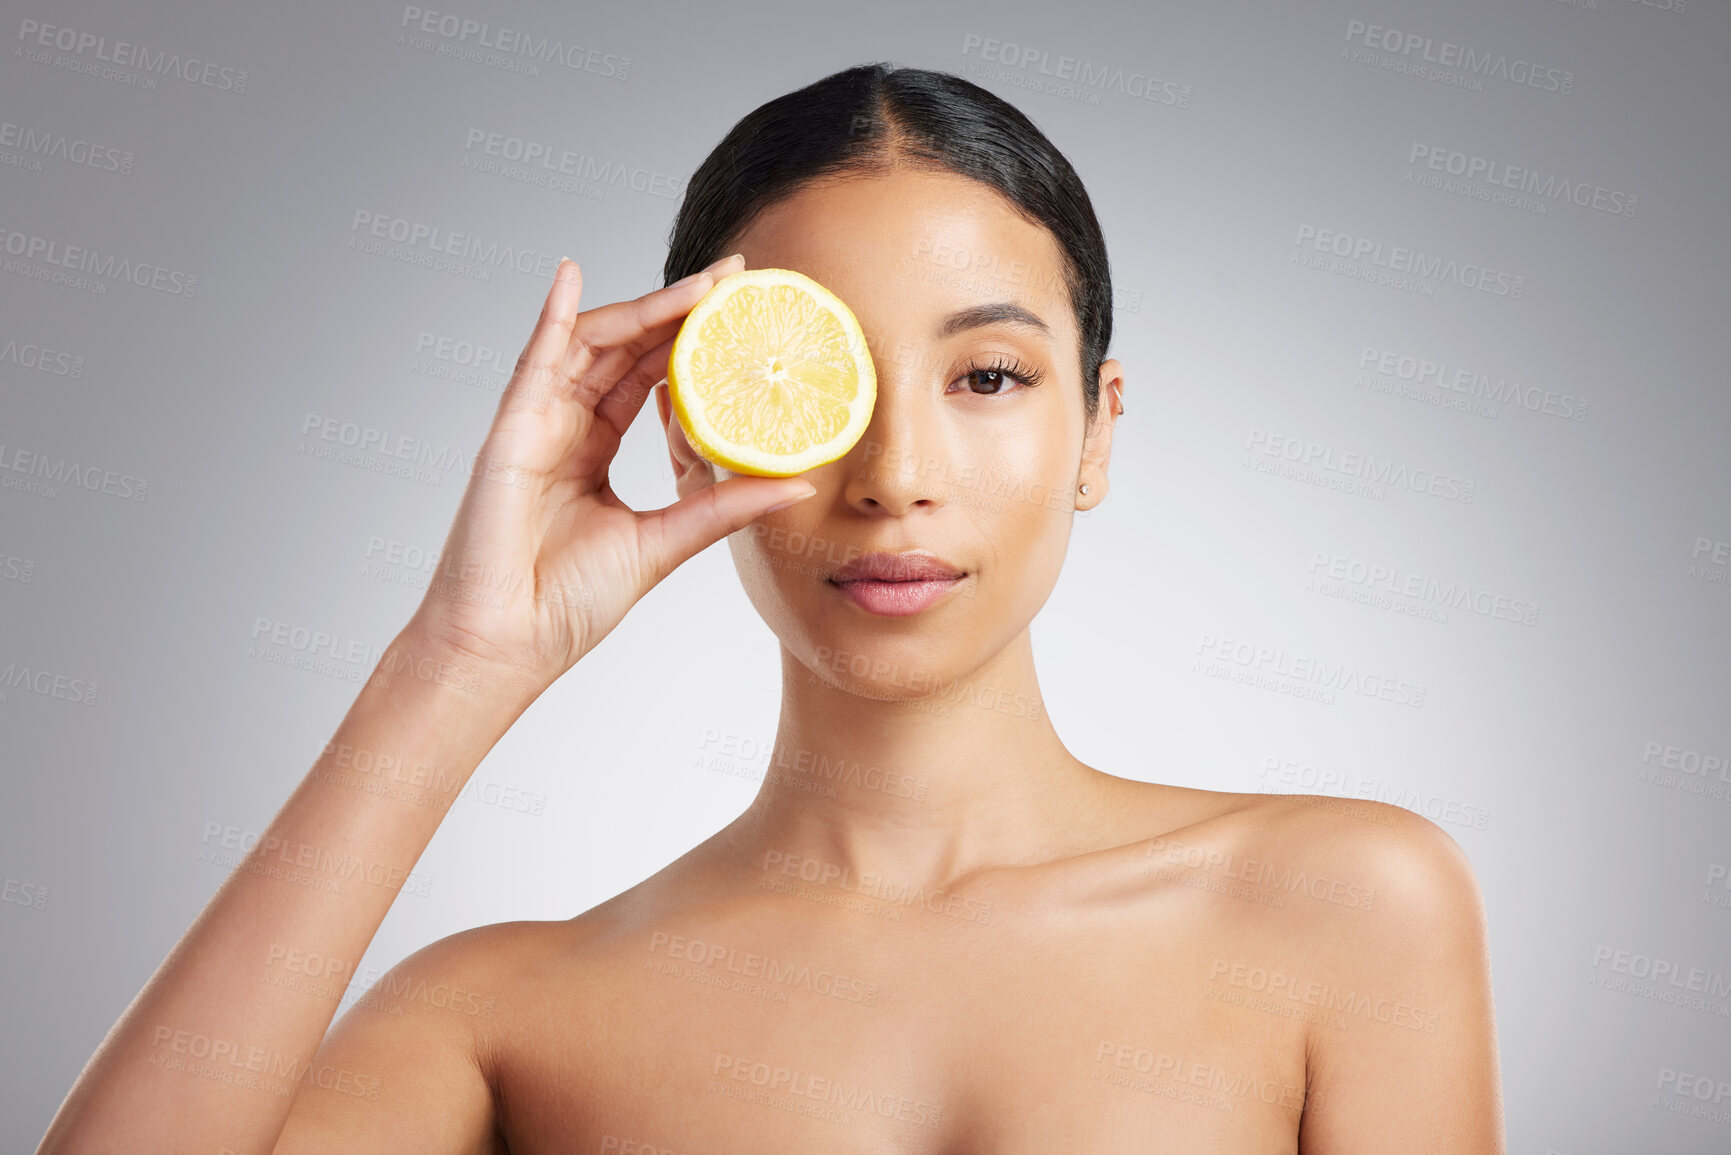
x: 903, y: 461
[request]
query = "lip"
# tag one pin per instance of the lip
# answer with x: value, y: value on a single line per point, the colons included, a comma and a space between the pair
x: 910, y: 565
x: 895, y: 585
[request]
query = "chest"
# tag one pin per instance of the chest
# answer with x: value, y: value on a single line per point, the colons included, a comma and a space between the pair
x: 924, y: 1029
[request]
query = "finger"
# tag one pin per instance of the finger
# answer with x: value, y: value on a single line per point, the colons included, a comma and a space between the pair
x: 664, y: 406
x: 674, y: 534
x: 540, y: 378
x: 545, y: 417
x: 631, y: 327
x: 545, y: 350
x: 590, y: 456
x: 620, y: 406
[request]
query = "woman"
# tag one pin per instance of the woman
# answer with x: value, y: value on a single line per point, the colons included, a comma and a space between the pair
x: 934, y: 930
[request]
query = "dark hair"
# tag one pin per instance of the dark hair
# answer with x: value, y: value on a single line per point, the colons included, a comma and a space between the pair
x: 863, y: 120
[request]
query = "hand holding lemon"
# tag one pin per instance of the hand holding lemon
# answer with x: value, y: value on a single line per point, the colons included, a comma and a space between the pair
x: 770, y: 376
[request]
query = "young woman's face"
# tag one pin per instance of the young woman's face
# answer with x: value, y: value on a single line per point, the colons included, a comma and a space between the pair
x: 973, y: 465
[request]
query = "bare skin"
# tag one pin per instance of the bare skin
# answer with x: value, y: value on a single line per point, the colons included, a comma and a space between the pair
x: 934, y: 931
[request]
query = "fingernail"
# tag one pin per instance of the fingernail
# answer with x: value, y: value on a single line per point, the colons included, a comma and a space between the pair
x: 687, y: 280
x: 810, y: 489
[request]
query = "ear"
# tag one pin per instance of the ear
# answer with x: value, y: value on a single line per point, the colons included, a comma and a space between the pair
x: 1097, y: 447
x: 690, y: 472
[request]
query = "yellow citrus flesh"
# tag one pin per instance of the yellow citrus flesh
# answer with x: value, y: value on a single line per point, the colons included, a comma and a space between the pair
x: 770, y: 374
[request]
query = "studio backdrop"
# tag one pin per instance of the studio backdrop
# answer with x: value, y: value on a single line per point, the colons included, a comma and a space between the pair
x: 1422, y: 495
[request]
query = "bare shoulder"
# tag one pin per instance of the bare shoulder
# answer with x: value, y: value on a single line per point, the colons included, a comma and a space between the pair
x: 1410, y: 861
x: 1420, y: 930
x: 496, y: 948
x: 1340, y: 889
x: 1406, y: 855
x: 1389, y: 962
x: 489, y: 979
x: 414, y: 1062
x: 1425, y: 907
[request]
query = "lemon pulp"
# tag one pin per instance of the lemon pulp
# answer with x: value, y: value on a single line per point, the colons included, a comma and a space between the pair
x: 770, y: 374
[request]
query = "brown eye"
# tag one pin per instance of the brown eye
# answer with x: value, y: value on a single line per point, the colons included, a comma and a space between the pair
x: 991, y: 380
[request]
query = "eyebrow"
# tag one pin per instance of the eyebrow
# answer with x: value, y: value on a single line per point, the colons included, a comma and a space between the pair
x: 998, y: 313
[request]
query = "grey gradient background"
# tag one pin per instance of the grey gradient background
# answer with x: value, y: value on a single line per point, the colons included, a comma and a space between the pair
x: 1534, y: 743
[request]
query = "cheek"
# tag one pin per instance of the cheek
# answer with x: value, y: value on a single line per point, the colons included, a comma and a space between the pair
x: 1018, y: 480
x: 763, y: 545
x: 786, y: 546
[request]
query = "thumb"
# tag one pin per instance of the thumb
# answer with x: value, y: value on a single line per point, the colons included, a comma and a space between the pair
x: 673, y: 535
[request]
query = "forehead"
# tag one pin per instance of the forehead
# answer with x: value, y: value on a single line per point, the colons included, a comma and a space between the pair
x: 908, y: 248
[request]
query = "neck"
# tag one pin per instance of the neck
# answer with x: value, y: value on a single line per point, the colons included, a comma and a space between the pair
x: 923, y: 787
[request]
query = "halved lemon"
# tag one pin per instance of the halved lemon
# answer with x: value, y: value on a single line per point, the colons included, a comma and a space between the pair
x: 770, y: 374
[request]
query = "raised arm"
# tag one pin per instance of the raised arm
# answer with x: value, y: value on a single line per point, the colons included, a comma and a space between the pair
x: 542, y: 561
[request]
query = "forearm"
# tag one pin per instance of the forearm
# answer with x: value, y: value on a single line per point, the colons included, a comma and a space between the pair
x: 215, y: 1047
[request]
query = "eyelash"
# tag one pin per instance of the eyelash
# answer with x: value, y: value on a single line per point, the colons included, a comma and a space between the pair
x: 1028, y: 376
